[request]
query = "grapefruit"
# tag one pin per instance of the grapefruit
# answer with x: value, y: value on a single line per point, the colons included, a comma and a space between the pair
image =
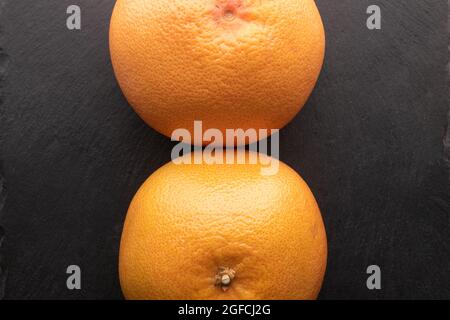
x: 224, y: 231
x: 232, y: 64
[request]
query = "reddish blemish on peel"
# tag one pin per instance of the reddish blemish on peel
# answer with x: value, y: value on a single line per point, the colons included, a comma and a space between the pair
x: 230, y: 10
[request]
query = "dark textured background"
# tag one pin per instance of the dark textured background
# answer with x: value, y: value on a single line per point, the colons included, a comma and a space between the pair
x: 370, y: 143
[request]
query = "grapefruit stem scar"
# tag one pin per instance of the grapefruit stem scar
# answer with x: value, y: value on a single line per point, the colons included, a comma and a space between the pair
x: 224, y: 277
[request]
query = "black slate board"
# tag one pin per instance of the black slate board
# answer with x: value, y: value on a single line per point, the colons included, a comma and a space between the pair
x: 369, y: 143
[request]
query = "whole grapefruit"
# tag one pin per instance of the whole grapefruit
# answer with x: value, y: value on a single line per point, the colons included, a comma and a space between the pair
x: 228, y: 63
x: 222, y: 231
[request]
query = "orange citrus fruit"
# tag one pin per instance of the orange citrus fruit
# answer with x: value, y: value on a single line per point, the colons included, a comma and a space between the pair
x: 228, y: 63
x: 223, y: 231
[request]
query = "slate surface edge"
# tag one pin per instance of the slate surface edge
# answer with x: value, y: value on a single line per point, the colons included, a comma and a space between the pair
x: 3, y: 68
x: 447, y: 134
